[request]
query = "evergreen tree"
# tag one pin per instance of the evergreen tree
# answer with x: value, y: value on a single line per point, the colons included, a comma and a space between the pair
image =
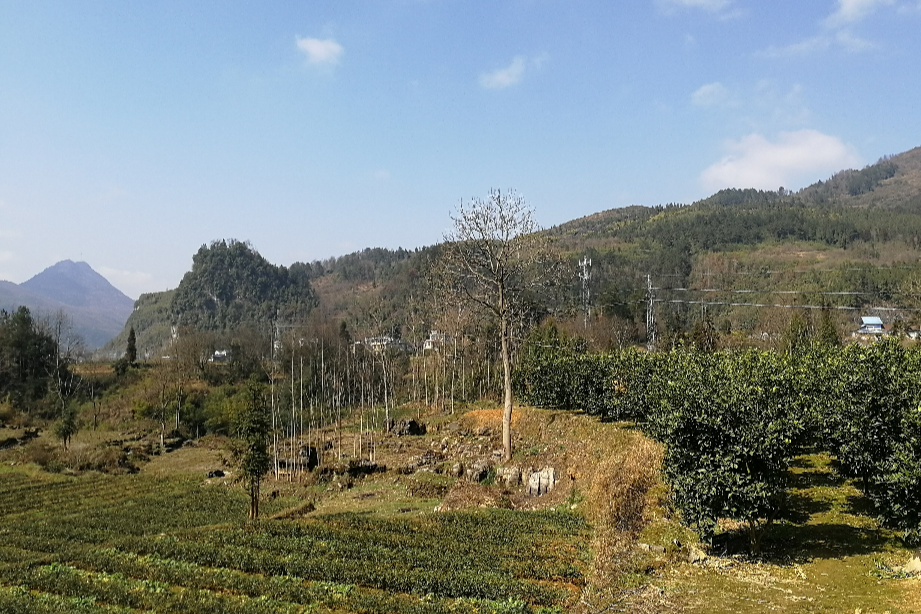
x: 131, y: 352
x: 250, y: 448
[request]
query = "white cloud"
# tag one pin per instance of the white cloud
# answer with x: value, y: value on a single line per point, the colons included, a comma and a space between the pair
x: 794, y: 160
x: 712, y: 95
x: 504, y: 77
x: 836, y: 30
x: 851, y: 42
x: 7, y: 256
x: 320, y: 51
x: 851, y: 11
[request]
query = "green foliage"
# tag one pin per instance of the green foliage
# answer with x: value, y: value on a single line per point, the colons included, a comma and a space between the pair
x: 131, y: 349
x: 231, y: 284
x: 27, y: 360
x: 250, y: 447
x: 863, y: 411
x: 67, y: 424
x: 730, y: 424
x: 135, y: 543
x: 866, y: 180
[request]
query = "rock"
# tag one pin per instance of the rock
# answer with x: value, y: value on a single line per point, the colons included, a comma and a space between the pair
x: 651, y: 548
x: 478, y: 470
x: 457, y: 469
x: 217, y: 473
x: 510, y: 476
x: 696, y: 555
x: 408, y: 427
x: 541, y: 482
x: 913, y: 565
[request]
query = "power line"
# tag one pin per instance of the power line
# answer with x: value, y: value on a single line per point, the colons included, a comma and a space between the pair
x: 788, y: 306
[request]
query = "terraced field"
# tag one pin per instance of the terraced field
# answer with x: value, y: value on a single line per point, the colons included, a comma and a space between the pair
x: 139, y: 544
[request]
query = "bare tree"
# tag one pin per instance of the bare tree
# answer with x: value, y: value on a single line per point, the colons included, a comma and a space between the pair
x: 493, y: 259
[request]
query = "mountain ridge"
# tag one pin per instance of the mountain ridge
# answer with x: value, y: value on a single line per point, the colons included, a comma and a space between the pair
x: 854, y: 238
x: 97, y: 309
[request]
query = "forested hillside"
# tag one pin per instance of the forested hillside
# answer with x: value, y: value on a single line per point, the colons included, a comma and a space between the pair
x: 229, y: 287
x: 743, y: 260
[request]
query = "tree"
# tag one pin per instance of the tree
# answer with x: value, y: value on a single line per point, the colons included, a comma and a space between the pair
x: 67, y: 425
x: 131, y: 351
x: 731, y: 424
x: 492, y: 259
x: 250, y: 448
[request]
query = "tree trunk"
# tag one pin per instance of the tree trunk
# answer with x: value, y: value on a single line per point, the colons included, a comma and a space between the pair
x: 254, y: 500
x: 507, y: 412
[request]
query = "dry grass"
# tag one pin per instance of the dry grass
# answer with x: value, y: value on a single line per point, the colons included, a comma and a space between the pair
x: 619, y: 504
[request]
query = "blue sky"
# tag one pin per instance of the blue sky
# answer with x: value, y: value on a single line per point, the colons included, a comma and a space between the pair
x: 132, y: 133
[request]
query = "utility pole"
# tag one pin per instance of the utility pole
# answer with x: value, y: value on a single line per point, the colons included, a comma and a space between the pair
x: 650, y: 316
x: 585, y: 274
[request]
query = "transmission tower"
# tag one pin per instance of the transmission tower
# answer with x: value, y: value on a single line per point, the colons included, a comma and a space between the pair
x: 585, y: 274
x: 650, y: 316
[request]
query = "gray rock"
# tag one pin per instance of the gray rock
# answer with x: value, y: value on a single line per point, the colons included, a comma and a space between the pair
x: 510, y: 476
x: 410, y: 427
x: 541, y: 482
x: 478, y: 470
x: 696, y: 555
x: 913, y: 565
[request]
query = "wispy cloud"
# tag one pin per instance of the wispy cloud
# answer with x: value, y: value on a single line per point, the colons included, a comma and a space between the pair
x: 714, y: 6
x: 851, y: 11
x: 793, y: 160
x: 504, y: 77
x: 321, y: 52
x: 723, y: 9
x: 836, y: 31
x: 801, y: 48
x: 512, y: 74
x: 712, y: 95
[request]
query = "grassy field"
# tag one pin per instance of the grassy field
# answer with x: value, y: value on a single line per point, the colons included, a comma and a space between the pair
x: 169, y: 540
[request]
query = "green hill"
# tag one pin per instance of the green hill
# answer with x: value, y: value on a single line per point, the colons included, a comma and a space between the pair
x: 229, y: 286
x: 849, y: 243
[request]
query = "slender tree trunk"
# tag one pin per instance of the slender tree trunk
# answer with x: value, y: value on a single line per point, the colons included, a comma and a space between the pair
x: 507, y: 369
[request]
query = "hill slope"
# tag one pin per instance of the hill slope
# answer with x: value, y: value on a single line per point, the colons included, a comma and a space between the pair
x: 97, y: 309
x: 230, y: 286
x: 851, y: 242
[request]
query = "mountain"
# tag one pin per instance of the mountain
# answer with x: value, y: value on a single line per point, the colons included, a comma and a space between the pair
x: 740, y: 258
x: 97, y: 309
x: 230, y: 286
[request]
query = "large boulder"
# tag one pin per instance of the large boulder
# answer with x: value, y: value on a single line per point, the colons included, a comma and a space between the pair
x: 408, y: 427
x: 541, y: 482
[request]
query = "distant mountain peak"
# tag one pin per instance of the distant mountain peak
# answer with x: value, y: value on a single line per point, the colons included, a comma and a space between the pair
x: 97, y: 308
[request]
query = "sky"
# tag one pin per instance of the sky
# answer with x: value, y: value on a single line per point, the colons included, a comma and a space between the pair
x: 133, y: 133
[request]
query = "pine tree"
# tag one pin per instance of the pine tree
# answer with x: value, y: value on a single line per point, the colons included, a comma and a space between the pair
x: 131, y: 352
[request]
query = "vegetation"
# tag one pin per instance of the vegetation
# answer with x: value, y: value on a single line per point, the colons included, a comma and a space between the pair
x: 731, y: 422
x: 492, y: 260
x: 763, y: 429
x: 250, y: 449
